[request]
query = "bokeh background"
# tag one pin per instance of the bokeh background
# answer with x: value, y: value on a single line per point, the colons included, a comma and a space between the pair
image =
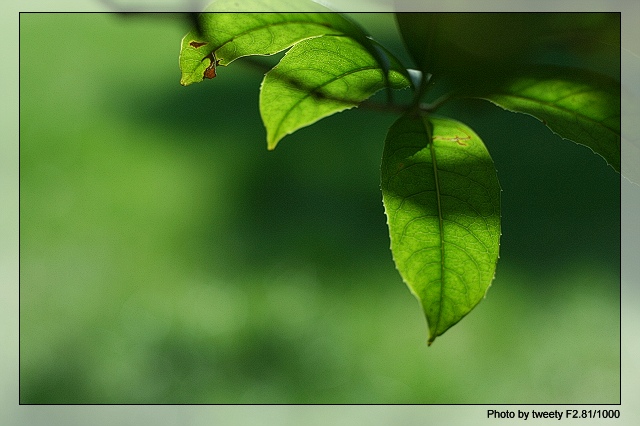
x: 167, y: 257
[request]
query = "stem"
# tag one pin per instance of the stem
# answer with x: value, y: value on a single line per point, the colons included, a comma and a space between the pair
x: 432, y: 106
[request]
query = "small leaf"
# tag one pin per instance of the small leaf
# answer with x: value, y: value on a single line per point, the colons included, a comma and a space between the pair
x: 577, y: 104
x: 442, y: 199
x: 230, y: 36
x: 196, y: 56
x: 316, y: 78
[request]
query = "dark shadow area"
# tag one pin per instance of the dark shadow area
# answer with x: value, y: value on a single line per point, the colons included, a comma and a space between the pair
x: 559, y: 199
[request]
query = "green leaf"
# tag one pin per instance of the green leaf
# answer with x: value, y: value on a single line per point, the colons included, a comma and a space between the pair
x: 464, y: 48
x: 418, y: 32
x: 419, y: 35
x: 576, y: 104
x: 196, y: 56
x: 227, y: 36
x: 442, y: 199
x: 316, y: 78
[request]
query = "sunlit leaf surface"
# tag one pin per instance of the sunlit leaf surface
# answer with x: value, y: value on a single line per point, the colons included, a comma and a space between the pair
x: 577, y: 104
x: 225, y: 36
x: 442, y: 200
x: 316, y: 78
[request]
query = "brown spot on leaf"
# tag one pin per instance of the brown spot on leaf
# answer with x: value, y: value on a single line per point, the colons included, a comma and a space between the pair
x: 210, y: 72
x: 197, y: 44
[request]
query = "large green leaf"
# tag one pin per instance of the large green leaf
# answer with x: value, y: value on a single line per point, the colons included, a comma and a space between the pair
x: 316, y: 78
x: 223, y: 36
x: 468, y: 49
x: 577, y: 104
x: 442, y: 200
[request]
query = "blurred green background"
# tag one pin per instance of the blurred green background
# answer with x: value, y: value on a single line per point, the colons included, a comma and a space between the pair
x: 167, y: 257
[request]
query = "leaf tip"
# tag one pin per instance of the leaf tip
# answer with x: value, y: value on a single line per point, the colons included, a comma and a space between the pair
x: 273, y: 140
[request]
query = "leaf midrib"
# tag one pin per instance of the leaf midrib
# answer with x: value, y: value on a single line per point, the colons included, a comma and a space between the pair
x: 440, y: 220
